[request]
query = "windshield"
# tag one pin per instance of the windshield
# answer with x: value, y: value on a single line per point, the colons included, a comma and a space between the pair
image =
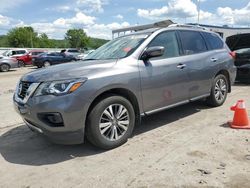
x: 6, y: 53
x: 118, y: 48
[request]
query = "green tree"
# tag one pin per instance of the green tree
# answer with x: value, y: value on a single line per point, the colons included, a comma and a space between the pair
x: 3, y: 41
x: 77, y: 38
x: 45, y: 42
x: 22, y: 37
x: 96, y: 43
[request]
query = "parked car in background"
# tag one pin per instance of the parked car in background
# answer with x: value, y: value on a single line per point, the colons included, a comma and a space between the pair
x: 24, y: 59
x: 15, y: 52
x: 74, y: 52
x: 22, y: 56
x: 145, y: 72
x: 242, y: 62
x: 52, y: 58
x: 240, y: 45
x: 35, y: 53
x: 7, y: 63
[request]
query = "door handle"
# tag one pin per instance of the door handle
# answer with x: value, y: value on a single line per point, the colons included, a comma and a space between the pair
x: 181, y: 66
x: 213, y: 59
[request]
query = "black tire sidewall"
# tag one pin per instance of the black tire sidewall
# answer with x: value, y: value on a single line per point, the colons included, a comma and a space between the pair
x: 93, y: 132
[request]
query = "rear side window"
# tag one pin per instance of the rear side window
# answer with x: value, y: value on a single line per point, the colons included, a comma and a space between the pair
x: 20, y: 52
x: 192, y: 42
x: 213, y: 41
x: 36, y: 53
x: 73, y: 51
x: 169, y: 42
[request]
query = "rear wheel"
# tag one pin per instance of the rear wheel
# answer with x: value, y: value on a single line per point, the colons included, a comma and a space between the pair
x: 21, y: 63
x: 46, y: 64
x: 219, y: 91
x: 4, y: 68
x: 110, y: 122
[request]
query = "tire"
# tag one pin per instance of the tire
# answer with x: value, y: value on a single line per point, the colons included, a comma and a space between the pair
x: 21, y: 64
x: 4, y: 67
x: 219, y: 91
x: 46, y: 64
x: 101, y: 129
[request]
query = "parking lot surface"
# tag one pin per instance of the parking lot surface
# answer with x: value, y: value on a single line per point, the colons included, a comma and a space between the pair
x: 187, y: 146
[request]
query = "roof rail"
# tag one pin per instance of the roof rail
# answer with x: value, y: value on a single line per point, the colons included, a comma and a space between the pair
x: 188, y: 26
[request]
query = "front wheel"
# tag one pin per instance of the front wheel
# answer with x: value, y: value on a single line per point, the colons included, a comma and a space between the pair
x: 4, y: 68
x: 110, y: 122
x: 46, y: 64
x: 219, y: 91
x: 21, y: 63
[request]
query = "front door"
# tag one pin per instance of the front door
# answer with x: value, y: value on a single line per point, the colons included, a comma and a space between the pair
x: 164, y: 80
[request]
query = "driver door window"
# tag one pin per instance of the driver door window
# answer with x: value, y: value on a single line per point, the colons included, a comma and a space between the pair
x: 169, y: 41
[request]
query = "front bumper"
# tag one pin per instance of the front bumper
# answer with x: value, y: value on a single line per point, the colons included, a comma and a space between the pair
x: 72, y: 111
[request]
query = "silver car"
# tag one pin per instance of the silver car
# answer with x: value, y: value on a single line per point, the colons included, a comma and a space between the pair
x: 7, y: 63
x: 106, y: 95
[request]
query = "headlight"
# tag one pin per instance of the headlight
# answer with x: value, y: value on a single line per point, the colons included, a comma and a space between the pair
x: 58, y: 87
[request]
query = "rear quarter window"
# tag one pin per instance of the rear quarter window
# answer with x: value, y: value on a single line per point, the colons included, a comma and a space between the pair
x: 73, y: 51
x: 214, y: 41
x: 192, y: 42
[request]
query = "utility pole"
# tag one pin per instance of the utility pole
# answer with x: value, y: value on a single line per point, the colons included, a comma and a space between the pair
x: 198, y: 6
x: 31, y: 39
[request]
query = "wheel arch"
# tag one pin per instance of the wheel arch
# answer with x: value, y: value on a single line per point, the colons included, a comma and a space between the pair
x: 126, y: 93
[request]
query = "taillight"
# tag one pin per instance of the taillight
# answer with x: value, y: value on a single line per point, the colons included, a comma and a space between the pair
x: 233, y: 54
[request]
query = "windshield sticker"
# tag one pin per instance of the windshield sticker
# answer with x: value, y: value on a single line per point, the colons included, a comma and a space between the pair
x: 127, y: 49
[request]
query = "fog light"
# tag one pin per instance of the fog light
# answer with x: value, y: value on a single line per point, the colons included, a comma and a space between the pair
x: 51, y: 119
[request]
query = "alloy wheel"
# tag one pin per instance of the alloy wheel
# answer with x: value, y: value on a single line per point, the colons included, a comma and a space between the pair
x: 114, y: 122
x: 46, y: 64
x: 5, y: 68
x: 220, y: 90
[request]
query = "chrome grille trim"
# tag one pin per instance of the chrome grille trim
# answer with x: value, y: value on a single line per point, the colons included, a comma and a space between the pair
x: 24, y: 91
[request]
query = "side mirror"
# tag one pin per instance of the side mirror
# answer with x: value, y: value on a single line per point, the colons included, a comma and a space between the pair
x: 155, y: 51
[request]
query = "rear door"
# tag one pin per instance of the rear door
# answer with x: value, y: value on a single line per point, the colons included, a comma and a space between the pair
x: 164, y: 80
x: 59, y: 58
x: 198, y: 62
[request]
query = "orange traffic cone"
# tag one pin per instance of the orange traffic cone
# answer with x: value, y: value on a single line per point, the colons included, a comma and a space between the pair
x: 241, y: 120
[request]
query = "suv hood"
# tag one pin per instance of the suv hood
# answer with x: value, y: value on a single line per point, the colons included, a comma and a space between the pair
x: 68, y: 71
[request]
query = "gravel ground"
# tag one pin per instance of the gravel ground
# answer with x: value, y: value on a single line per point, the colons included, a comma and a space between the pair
x: 187, y: 146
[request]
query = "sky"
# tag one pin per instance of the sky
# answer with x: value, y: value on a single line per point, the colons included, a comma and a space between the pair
x: 99, y: 17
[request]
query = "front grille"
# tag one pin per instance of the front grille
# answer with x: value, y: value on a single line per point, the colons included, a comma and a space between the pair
x: 23, y: 88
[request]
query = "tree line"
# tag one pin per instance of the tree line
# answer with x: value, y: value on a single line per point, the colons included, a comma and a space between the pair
x: 26, y: 37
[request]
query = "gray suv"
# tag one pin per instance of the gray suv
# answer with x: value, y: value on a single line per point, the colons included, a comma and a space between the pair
x: 132, y: 76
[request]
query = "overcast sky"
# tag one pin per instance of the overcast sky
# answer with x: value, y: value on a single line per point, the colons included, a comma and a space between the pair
x: 99, y: 17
